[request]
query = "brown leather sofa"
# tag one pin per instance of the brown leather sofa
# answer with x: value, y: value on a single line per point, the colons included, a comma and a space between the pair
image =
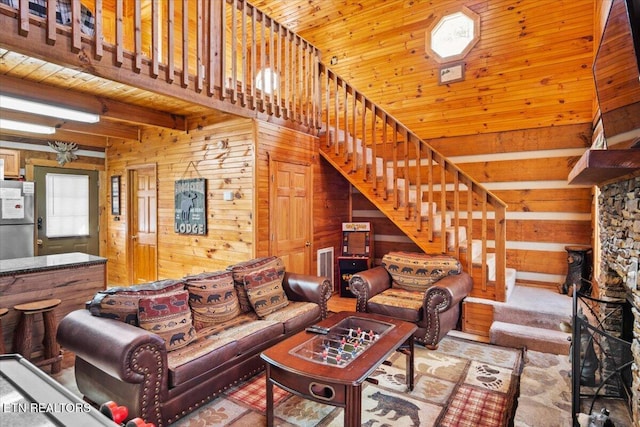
x: 423, y: 289
x: 133, y: 366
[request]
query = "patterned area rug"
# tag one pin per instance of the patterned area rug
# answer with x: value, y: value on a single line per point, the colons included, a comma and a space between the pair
x: 463, y: 383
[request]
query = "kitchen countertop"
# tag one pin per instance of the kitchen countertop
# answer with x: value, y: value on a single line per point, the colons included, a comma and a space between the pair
x: 47, y: 262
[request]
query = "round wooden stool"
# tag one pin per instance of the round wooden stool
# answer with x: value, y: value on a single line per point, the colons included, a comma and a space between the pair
x: 23, y: 339
x: 3, y: 311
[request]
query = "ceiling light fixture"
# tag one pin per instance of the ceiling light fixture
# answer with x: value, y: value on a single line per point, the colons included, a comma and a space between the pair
x: 26, y: 127
x: 39, y: 108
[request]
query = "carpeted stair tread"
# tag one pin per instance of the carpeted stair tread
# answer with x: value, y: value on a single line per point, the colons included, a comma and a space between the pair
x: 538, y: 339
x: 536, y: 307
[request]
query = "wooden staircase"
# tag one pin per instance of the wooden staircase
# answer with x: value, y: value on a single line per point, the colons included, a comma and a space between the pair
x: 432, y: 201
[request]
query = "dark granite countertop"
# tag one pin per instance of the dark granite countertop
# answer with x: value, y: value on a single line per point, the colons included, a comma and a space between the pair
x: 47, y: 262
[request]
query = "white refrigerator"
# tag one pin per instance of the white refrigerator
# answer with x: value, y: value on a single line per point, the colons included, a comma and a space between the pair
x: 17, y: 228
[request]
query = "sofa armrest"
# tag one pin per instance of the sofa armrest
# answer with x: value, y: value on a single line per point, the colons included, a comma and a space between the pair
x: 123, y: 351
x: 367, y: 284
x: 441, y: 306
x: 305, y: 287
x: 450, y: 290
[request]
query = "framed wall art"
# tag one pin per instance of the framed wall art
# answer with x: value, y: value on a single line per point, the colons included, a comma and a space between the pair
x: 115, y: 195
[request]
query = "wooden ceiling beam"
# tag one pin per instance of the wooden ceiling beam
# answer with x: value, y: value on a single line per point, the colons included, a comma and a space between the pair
x: 106, y: 128
x: 89, y: 141
x: 89, y: 103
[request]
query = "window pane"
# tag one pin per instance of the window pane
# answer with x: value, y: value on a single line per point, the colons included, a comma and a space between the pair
x: 67, y: 205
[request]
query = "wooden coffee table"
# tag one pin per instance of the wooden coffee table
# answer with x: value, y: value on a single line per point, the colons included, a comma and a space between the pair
x: 331, y: 368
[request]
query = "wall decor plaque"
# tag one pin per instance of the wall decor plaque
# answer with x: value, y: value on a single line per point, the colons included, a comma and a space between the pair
x: 190, y: 206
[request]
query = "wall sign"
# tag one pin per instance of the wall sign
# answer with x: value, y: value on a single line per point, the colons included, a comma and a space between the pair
x: 451, y: 73
x: 190, y: 212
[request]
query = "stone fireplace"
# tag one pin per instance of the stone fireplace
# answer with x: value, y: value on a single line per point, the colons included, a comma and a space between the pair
x: 619, y: 228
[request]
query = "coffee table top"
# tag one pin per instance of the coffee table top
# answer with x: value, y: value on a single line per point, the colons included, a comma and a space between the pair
x: 302, y: 353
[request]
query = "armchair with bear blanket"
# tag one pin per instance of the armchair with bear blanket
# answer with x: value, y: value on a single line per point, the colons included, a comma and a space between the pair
x: 419, y: 288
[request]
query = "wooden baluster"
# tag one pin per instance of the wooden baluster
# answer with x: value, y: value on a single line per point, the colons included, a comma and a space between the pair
x: 200, y: 43
x: 405, y: 135
x: 98, y: 32
x: 470, y: 225
x: 363, y: 143
x: 263, y: 65
x: 345, y: 119
x: 234, y: 51
x: 155, y: 39
x: 254, y: 63
x: 137, y: 32
x: 171, y: 36
x: 119, y: 33
x: 23, y: 10
x: 185, y: 43
x: 430, y: 185
x: 456, y: 214
x: 51, y: 23
x: 278, y: 91
x: 443, y: 206
x: 243, y: 77
x: 385, y: 190
x: 483, y: 237
x: 394, y: 186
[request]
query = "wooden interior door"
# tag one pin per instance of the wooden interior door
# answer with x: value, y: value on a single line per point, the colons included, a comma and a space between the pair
x: 143, y: 238
x: 291, y: 214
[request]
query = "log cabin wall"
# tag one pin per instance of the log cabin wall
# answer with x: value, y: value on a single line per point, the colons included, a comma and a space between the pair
x: 180, y: 155
x: 237, y: 230
x: 517, y: 123
x: 330, y: 190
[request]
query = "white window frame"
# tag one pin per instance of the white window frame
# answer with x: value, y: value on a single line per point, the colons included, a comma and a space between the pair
x: 67, y: 205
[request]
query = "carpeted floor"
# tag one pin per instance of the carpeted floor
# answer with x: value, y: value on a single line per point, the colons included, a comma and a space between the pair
x: 463, y: 383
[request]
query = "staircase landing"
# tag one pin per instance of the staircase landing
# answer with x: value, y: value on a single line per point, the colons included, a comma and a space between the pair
x: 531, y: 318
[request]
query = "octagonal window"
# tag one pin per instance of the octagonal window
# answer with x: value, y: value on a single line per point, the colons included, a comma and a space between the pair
x: 454, y: 35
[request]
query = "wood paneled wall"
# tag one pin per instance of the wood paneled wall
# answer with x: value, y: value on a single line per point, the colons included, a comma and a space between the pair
x: 238, y: 230
x: 223, y: 154
x: 330, y: 190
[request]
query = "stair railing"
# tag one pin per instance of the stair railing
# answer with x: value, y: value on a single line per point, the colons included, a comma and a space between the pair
x: 401, y: 174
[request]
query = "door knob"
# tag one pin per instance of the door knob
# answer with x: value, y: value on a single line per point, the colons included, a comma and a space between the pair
x: 307, y: 244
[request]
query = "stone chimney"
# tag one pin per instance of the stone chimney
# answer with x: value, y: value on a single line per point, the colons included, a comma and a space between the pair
x: 619, y: 224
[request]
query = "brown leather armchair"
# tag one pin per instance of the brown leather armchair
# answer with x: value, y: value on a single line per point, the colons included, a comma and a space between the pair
x: 423, y: 289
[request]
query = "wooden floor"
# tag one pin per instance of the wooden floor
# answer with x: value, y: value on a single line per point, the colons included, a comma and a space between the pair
x: 337, y: 303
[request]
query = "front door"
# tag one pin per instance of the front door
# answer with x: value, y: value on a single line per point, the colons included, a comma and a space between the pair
x: 66, y: 210
x: 142, y: 208
x: 291, y: 214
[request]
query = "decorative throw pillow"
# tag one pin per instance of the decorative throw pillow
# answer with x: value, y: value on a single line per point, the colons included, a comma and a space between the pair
x: 414, y: 271
x: 169, y: 317
x: 241, y: 270
x: 212, y: 297
x: 265, y: 291
x: 121, y: 303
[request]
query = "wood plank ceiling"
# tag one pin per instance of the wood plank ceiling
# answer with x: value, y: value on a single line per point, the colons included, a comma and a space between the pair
x: 530, y: 69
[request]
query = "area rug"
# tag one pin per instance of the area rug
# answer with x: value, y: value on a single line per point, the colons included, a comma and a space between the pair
x: 462, y: 383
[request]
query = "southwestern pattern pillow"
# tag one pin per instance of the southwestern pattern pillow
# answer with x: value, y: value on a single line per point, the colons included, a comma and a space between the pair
x: 121, y: 303
x: 212, y: 297
x: 241, y: 270
x: 265, y: 292
x: 414, y: 271
x: 169, y: 317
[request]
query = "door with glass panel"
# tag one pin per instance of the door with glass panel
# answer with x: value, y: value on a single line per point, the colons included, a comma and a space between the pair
x: 66, y: 210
